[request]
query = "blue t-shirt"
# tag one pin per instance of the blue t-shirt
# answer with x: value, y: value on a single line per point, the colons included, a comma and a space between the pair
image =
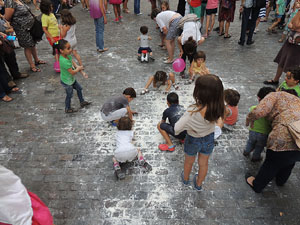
x: 173, y: 113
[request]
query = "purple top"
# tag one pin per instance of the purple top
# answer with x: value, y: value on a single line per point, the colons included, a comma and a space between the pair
x: 95, y: 11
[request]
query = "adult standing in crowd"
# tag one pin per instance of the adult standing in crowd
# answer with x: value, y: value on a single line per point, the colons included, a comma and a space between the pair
x: 21, y: 20
x: 181, y: 7
x: 282, y: 109
x: 250, y: 14
x: 226, y: 13
x: 97, y: 12
x: 189, y: 39
x: 289, y: 54
x: 167, y: 21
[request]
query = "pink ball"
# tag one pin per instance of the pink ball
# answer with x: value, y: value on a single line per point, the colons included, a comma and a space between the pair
x: 178, y: 65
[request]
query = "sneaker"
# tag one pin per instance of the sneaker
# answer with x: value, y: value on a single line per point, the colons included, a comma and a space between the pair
x: 139, y: 14
x: 151, y: 58
x: 182, y: 74
x: 119, y: 173
x: 108, y: 12
x: 176, y: 86
x: 84, y: 103
x: 139, y: 57
x: 185, y: 182
x: 144, y: 91
x: 165, y: 147
x: 198, y: 188
x: 71, y: 110
x: 116, y: 20
x: 120, y: 17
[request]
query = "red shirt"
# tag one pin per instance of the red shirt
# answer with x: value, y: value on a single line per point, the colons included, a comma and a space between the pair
x: 195, y: 3
x: 231, y: 120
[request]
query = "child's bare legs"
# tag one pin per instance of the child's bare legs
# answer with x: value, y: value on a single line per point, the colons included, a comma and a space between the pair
x: 125, y: 7
x: 283, y: 36
x: 208, y: 17
x: 119, y: 11
x: 188, y: 165
x: 212, y: 23
x: 172, y: 77
x: 203, y: 167
x: 274, y: 24
x: 115, y: 12
x: 87, y: 3
x: 165, y: 135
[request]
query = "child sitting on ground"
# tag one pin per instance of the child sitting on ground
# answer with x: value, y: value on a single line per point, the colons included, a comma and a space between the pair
x: 292, y: 79
x: 67, y: 73
x: 198, y: 66
x: 144, y: 42
x: 161, y: 78
x: 258, y: 134
x: 173, y: 114
x: 118, y: 106
x: 232, y: 98
x: 125, y: 150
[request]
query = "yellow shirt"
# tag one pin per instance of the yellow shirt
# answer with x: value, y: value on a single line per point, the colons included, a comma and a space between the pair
x: 51, y: 23
x: 202, y: 70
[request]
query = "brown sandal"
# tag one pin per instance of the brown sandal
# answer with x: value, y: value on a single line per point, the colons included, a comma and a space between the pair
x: 6, y: 98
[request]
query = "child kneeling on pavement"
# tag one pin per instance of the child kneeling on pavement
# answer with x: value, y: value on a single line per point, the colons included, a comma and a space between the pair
x: 173, y: 114
x: 118, y: 106
x: 125, y: 151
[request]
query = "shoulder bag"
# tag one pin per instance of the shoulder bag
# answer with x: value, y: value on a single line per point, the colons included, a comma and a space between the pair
x: 294, y: 129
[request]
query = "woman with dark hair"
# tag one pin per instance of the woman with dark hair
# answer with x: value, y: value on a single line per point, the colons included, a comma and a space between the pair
x: 21, y: 20
x: 281, y: 109
x: 227, y: 9
x: 289, y: 54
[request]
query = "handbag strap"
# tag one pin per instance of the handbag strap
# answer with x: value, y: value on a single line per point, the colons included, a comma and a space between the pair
x: 27, y: 7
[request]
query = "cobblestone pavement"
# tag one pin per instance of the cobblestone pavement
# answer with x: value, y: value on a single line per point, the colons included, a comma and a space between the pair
x: 66, y: 159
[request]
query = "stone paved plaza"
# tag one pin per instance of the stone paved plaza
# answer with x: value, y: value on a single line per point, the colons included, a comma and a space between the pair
x: 66, y: 159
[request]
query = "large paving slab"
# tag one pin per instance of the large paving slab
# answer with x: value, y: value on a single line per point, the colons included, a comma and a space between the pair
x: 66, y: 159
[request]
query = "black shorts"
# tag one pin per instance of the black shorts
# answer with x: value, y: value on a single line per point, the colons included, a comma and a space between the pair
x: 141, y: 49
x: 170, y: 130
x: 211, y: 11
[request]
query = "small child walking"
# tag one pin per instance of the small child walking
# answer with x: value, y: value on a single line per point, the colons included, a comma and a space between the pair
x: 144, y: 42
x: 161, y: 78
x: 280, y: 10
x: 125, y: 150
x: 67, y: 74
x: 258, y: 134
x: 50, y: 28
x: 199, y: 121
x: 117, y: 9
x: 232, y: 98
x: 173, y: 114
x: 198, y: 66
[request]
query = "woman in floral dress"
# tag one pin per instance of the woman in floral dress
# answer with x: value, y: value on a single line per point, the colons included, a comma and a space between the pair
x: 21, y: 20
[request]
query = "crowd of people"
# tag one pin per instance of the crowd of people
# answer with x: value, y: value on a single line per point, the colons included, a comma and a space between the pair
x: 200, y: 124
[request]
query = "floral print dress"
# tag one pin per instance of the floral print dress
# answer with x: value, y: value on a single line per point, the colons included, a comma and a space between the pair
x: 21, y: 21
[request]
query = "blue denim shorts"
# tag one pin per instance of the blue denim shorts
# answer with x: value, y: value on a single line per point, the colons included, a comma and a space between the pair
x: 203, y: 145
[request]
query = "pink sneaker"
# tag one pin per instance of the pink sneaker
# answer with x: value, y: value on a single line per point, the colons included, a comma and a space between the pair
x: 165, y: 147
x: 116, y: 20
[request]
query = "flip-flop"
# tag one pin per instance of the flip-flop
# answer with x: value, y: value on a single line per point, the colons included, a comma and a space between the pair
x: 185, y: 182
x: 221, y: 34
x: 102, y: 50
x: 15, y: 89
x: 228, y: 36
x: 40, y: 62
x: 198, y: 188
x: 35, y: 69
x: 10, y: 99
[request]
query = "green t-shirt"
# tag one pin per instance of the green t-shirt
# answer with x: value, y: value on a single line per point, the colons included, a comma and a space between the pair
x: 296, y: 88
x: 281, y: 6
x: 66, y: 64
x: 261, y: 125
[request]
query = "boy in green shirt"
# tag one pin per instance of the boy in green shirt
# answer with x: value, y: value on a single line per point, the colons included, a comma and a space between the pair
x: 258, y: 134
x: 67, y: 73
x: 292, y: 79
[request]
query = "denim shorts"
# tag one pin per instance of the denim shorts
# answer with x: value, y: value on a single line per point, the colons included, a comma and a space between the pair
x: 203, y: 145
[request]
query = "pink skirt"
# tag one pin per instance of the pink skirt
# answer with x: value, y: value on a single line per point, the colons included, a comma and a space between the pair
x: 115, y: 2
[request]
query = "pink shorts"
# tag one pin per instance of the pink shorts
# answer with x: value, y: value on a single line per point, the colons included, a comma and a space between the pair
x: 115, y: 2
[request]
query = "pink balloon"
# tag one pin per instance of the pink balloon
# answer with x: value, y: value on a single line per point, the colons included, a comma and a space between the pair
x: 178, y: 65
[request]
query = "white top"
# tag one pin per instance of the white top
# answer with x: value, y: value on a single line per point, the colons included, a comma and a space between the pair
x: 194, y: 123
x: 124, y: 139
x: 15, y: 203
x: 163, y: 19
x: 191, y: 29
x: 71, y: 37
